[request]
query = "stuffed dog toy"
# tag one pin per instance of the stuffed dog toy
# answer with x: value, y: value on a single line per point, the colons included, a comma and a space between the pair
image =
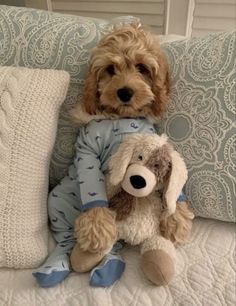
x: 144, y: 182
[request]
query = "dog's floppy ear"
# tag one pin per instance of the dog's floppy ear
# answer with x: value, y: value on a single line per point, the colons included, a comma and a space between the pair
x: 120, y: 161
x: 161, y: 86
x: 176, y: 181
x: 90, y: 93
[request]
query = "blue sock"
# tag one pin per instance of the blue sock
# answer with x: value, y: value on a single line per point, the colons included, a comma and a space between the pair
x: 50, y: 280
x: 108, y: 271
x: 53, y: 271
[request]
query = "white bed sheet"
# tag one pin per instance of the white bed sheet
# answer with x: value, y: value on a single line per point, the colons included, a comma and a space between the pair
x: 205, y: 276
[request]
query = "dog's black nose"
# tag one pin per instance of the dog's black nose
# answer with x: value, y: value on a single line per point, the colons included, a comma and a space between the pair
x: 125, y: 94
x: 137, y: 181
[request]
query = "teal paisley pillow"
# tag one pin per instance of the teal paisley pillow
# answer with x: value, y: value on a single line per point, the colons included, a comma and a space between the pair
x: 41, y: 39
x: 201, y: 120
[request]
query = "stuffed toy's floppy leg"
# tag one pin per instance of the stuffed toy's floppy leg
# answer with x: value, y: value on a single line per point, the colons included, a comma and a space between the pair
x: 158, y: 260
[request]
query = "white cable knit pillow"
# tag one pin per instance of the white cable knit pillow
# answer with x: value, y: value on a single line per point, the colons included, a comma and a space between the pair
x: 29, y: 106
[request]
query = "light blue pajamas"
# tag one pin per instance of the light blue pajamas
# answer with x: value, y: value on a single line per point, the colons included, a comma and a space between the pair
x: 82, y: 189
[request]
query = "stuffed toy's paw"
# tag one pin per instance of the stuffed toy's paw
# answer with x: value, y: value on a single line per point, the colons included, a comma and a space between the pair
x: 95, y: 230
x: 158, y: 267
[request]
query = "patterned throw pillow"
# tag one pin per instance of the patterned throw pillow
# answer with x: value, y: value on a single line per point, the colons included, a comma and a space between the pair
x: 201, y: 120
x: 41, y: 39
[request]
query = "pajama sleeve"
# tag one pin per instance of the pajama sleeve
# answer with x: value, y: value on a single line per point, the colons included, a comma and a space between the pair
x: 90, y: 178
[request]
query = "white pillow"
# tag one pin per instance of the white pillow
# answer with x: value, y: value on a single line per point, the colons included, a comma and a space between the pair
x: 30, y: 100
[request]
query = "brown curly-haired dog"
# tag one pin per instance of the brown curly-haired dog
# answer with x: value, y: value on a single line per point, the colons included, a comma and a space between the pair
x: 128, y: 77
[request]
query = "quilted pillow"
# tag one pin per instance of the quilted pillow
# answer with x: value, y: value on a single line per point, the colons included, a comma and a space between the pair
x: 41, y: 39
x: 201, y: 120
x: 29, y: 106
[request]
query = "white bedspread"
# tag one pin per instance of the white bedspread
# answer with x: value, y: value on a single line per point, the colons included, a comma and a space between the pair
x: 205, y: 276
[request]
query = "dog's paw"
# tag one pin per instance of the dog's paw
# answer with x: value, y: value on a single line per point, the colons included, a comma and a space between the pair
x: 177, y: 227
x: 95, y: 230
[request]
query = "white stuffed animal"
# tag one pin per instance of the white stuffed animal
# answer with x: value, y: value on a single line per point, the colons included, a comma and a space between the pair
x: 145, y: 180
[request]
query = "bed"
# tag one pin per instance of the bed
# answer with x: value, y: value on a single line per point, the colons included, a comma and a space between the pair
x: 205, y: 276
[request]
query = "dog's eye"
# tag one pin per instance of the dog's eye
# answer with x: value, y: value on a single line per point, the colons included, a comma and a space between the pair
x: 140, y: 157
x: 110, y: 69
x: 156, y: 166
x: 142, y: 68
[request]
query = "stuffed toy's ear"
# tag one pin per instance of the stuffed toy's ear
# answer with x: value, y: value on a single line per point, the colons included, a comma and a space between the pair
x: 177, y: 179
x: 120, y: 161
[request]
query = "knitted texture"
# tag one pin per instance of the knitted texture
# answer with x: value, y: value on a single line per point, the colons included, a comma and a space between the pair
x: 29, y: 106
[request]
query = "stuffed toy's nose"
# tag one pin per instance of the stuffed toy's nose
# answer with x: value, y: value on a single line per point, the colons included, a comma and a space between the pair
x: 137, y: 181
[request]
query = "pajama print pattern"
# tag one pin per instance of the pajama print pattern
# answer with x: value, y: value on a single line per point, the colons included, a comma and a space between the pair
x: 83, y: 189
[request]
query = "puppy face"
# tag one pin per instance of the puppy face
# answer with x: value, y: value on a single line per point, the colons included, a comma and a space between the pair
x: 128, y: 75
x: 125, y: 87
x: 152, y: 156
x: 144, y: 174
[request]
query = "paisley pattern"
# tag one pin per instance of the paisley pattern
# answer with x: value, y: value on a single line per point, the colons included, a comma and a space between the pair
x: 201, y: 120
x: 41, y: 39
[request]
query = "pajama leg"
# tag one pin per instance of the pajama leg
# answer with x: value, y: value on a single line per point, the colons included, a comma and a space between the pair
x: 56, y: 268
x: 63, y: 209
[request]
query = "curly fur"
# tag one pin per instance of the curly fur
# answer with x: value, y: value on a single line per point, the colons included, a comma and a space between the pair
x: 177, y: 227
x: 95, y: 229
x: 129, y: 57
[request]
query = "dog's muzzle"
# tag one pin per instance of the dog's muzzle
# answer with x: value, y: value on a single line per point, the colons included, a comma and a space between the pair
x: 139, y: 181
